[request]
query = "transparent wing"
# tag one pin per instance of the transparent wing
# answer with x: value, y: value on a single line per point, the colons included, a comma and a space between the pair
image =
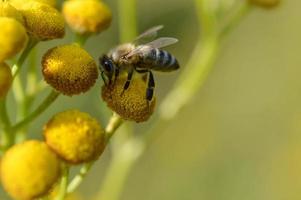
x: 156, y: 44
x: 162, y: 42
x: 150, y: 33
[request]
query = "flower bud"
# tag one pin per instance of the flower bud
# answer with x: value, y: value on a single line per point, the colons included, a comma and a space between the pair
x: 265, y: 3
x: 69, y: 69
x: 75, y: 136
x: 6, y: 79
x: 13, y: 38
x: 42, y: 21
x: 29, y: 170
x: 130, y: 104
x: 7, y: 10
x: 87, y: 16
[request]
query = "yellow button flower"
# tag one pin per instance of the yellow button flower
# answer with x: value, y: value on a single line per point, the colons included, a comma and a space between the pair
x: 13, y: 37
x: 69, y: 69
x: 75, y: 136
x: 5, y: 79
x: 7, y: 10
x: 19, y: 3
x: 130, y: 104
x: 87, y: 16
x: 42, y: 21
x: 29, y: 170
x: 265, y: 3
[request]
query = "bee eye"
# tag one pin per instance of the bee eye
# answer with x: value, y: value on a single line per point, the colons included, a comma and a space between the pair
x: 108, y: 66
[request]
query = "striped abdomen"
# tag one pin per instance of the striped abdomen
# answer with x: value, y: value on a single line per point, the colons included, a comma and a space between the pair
x: 159, y: 60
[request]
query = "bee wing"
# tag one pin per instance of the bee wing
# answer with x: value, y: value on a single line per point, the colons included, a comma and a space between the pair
x: 156, y: 44
x: 150, y: 33
x: 162, y: 42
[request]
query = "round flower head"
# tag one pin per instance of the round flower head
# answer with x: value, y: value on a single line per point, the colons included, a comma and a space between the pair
x: 29, y: 170
x: 87, y: 16
x: 5, y: 79
x: 69, y: 69
x: 265, y: 3
x: 7, y: 10
x: 19, y: 3
x: 42, y: 21
x: 13, y: 37
x: 130, y: 104
x: 75, y: 136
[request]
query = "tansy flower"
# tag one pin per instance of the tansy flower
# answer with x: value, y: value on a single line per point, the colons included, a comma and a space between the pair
x: 75, y: 136
x: 13, y: 37
x: 265, y: 3
x: 19, y: 3
x: 7, y: 10
x: 42, y: 21
x: 87, y: 16
x: 69, y: 69
x: 130, y: 104
x: 5, y: 79
x: 29, y: 169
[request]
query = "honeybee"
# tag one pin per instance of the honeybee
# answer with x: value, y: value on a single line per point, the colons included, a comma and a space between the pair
x: 141, y: 58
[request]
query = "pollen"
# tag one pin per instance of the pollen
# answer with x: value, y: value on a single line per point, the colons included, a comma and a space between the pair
x: 130, y: 104
x: 5, y: 79
x: 42, y: 21
x: 265, y: 3
x: 29, y: 170
x: 13, y: 38
x: 75, y: 136
x: 87, y: 16
x: 69, y: 69
x: 7, y: 10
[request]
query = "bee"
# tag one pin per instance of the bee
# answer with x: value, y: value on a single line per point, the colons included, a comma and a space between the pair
x: 142, y: 59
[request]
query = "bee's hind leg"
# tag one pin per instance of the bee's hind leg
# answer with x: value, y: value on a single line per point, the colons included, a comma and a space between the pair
x: 150, y: 84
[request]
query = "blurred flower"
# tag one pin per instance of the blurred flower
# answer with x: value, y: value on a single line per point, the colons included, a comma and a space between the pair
x: 7, y: 10
x: 130, y: 104
x: 265, y: 3
x: 87, y: 16
x: 5, y: 79
x: 13, y: 37
x: 75, y: 136
x: 29, y: 169
x: 19, y: 3
x: 42, y: 21
x: 69, y: 69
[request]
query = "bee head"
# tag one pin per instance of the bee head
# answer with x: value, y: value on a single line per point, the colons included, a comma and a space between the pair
x: 107, y: 66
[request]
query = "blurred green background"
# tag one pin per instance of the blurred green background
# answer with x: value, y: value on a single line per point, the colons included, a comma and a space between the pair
x: 239, y: 138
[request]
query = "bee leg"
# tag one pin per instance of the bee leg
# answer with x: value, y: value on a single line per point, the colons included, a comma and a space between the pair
x: 128, y: 81
x: 104, y: 78
x: 150, y: 86
x: 116, y: 74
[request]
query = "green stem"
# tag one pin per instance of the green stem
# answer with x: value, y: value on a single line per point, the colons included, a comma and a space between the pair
x: 81, y: 39
x: 40, y: 109
x: 7, y: 136
x: 119, y: 169
x: 113, y: 125
x: 127, y: 11
x: 63, y: 184
x: 79, y: 177
x: 17, y: 67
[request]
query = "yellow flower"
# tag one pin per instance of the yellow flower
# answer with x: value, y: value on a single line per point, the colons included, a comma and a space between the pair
x: 69, y: 69
x: 87, y: 16
x: 29, y: 170
x: 7, y: 10
x: 5, y: 79
x: 19, y: 3
x: 42, y: 21
x: 130, y: 104
x: 75, y: 136
x: 13, y: 37
x: 265, y: 3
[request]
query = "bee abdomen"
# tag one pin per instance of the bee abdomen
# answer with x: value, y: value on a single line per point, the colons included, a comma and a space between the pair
x: 165, y: 61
